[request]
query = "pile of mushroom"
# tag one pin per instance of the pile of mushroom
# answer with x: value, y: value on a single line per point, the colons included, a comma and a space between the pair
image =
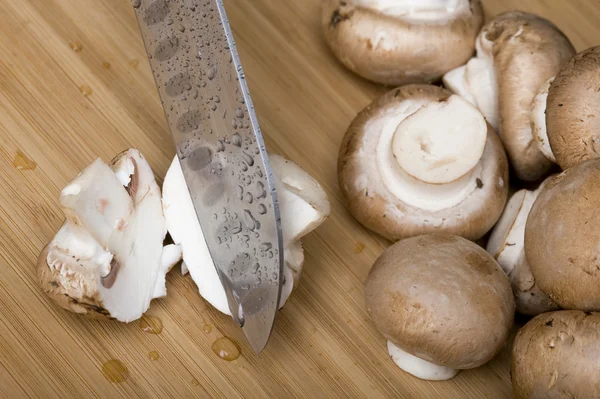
x: 108, y: 258
x: 401, y: 41
x: 443, y: 304
x: 516, y: 53
x: 421, y: 160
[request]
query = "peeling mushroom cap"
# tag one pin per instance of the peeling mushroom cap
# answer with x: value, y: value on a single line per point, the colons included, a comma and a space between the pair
x: 442, y: 299
x: 400, y: 42
x: 303, y: 206
x: 507, y: 245
x: 420, y: 160
x: 562, y: 236
x: 524, y: 50
x: 557, y: 355
x: 572, y: 110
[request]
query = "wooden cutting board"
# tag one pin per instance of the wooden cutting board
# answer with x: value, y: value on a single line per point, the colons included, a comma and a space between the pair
x: 75, y: 85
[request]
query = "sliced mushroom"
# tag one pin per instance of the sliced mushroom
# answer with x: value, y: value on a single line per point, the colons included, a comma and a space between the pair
x: 556, y: 355
x: 443, y: 304
x: 562, y: 236
x: 506, y: 245
x: 108, y: 259
x: 303, y: 207
x: 400, y: 42
x: 421, y: 160
x: 516, y: 53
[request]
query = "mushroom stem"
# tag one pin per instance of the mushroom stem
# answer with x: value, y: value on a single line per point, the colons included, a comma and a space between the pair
x: 418, y: 367
x: 538, y: 120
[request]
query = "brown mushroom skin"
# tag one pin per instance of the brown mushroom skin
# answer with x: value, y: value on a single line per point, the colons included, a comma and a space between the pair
x: 572, y: 116
x: 50, y: 283
x: 371, y: 206
x: 556, y: 355
x: 350, y: 31
x: 523, y: 62
x: 459, y: 321
x: 562, y: 236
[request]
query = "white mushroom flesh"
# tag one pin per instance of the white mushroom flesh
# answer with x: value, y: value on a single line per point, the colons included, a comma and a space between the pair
x: 419, y: 193
x: 303, y: 207
x: 115, y: 221
x: 418, y: 367
x: 476, y: 81
x: 538, y: 120
x: 417, y: 10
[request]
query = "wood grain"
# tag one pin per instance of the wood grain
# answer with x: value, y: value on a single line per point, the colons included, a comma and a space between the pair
x: 75, y: 85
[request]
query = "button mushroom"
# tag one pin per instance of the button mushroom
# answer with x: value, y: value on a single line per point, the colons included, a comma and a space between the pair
x: 506, y: 245
x: 303, y: 207
x: 401, y: 41
x: 566, y: 120
x: 443, y: 304
x: 562, y: 236
x: 108, y: 259
x: 516, y: 53
x: 557, y: 355
x: 420, y: 160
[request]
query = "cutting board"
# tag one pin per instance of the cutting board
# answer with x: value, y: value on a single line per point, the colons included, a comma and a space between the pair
x: 75, y: 85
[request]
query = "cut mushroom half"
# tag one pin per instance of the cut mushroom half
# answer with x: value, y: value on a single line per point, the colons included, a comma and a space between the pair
x: 400, y: 42
x: 507, y: 246
x: 108, y: 259
x: 303, y: 206
x: 421, y: 160
x: 431, y: 297
x: 516, y: 53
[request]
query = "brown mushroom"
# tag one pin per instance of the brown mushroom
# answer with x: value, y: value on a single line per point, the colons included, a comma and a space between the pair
x: 562, y: 236
x: 400, y: 42
x: 557, y: 355
x: 442, y: 302
x: 516, y: 53
x: 421, y: 160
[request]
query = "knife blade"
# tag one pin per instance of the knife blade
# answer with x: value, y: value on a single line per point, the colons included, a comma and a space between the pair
x: 220, y: 147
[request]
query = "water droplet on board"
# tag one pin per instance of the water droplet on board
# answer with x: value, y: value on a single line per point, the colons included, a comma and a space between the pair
x: 154, y: 355
x: 76, y: 46
x: 115, y: 371
x: 208, y: 328
x: 22, y: 162
x: 85, y: 90
x: 226, y: 349
x: 195, y: 382
x: 151, y: 324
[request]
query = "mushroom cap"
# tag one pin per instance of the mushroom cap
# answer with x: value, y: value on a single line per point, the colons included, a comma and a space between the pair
x: 527, y: 51
x: 572, y: 117
x: 562, y: 235
x: 557, y: 355
x: 409, y: 44
x: 441, y: 298
x: 376, y: 207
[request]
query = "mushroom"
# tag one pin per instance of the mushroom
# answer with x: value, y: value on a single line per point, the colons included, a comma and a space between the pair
x: 443, y: 304
x: 108, y: 259
x: 516, y: 53
x: 303, y: 206
x: 562, y: 236
x: 507, y: 246
x: 396, y: 42
x: 557, y: 355
x: 421, y: 160
x: 573, y: 123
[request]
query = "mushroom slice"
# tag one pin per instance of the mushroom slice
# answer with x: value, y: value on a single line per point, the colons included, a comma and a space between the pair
x: 516, y: 53
x: 108, y: 257
x: 303, y: 207
x: 571, y: 113
x: 506, y: 245
x: 432, y: 297
x: 400, y: 42
x: 421, y: 160
x: 562, y: 236
x: 555, y: 355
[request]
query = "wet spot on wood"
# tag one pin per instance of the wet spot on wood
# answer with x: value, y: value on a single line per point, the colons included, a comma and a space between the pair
x: 134, y: 63
x: 23, y: 162
x: 153, y: 355
x: 76, y: 46
x: 151, y: 324
x: 85, y: 90
x: 106, y: 65
x: 115, y: 371
x: 359, y: 247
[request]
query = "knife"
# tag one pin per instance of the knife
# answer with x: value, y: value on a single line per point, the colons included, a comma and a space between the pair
x: 219, y: 144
